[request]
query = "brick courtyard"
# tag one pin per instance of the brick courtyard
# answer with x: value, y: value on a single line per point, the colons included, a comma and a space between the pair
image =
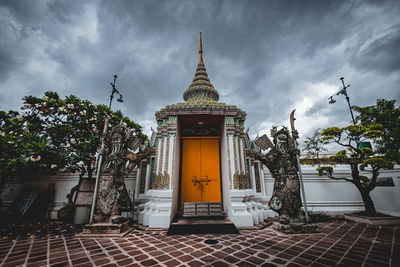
x: 339, y: 243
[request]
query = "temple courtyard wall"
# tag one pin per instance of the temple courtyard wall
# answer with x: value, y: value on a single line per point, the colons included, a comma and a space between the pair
x: 323, y: 194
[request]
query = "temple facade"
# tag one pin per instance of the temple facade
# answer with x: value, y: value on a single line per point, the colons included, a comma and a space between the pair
x: 200, y: 154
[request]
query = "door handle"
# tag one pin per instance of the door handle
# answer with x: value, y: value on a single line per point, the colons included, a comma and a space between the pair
x: 195, y: 181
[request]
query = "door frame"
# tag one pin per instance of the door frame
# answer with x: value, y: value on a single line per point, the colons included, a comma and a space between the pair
x: 180, y: 166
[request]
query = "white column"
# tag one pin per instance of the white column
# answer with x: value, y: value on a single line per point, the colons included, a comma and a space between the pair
x: 253, y: 177
x: 241, y: 145
x: 146, y: 186
x: 236, y: 156
x: 231, y: 158
x: 164, y: 156
x: 171, y: 158
x: 137, y: 184
x: 158, y: 155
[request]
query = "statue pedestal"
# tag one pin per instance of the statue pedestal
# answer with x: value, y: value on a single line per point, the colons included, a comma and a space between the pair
x: 296, y: 228
x: 105, y: 230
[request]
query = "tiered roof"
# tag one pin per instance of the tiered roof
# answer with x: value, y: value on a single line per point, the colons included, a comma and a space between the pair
x: 200, y: 98
x: 201, y: 88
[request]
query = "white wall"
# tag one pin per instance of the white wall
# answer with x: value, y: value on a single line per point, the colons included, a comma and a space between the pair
x: 323, y: 194
x: 63, y: 184
x: 338, y: 197
x: 387, y: 199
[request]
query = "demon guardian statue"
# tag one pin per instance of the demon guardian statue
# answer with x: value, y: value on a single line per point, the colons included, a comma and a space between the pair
x: 281, y: 162
x: 112, y: 196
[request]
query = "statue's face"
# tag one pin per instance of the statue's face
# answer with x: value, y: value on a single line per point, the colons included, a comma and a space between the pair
x: 106, y: 183
x: 116, y: 143
x: 281, y: 141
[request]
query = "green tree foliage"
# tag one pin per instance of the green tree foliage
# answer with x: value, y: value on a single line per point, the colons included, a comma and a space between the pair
x: 385, y: 116
x: 53, y: 134
x: 314, y: 145
x: 360, y: 159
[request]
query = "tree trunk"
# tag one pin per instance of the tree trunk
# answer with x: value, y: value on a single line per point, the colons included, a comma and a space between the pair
x: 369, y: 205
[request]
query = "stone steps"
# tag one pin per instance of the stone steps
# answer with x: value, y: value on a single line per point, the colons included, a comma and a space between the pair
x: 202, y: 218
x: 203, y: 209
x: 184, y: 226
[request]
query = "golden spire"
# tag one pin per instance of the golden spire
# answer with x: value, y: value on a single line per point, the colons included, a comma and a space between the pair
x: 201, y: 52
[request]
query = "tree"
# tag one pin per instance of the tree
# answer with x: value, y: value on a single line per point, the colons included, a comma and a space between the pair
x: 22, y: 150
x: 359, y: 159
x: 53, y: 134
x: 314, y: 145
x: 385, y: 116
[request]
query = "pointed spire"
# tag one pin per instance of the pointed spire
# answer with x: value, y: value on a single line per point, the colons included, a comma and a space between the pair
x: 201, y: 88
x: 201, y: 51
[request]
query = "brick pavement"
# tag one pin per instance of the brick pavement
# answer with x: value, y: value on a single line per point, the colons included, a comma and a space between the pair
x: 340, y: 243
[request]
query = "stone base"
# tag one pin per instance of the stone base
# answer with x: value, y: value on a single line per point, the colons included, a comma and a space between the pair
x: 295, y: 228
x: 260, y: 226
x: 105, y: 230
x: 185, y: 226
x: 384, y: 220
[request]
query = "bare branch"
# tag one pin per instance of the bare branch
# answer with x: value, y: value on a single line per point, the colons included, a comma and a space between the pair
x: 372, y: 183
x: 341, y: 178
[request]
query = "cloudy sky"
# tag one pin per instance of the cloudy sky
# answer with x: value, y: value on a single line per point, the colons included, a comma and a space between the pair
x: 266, y: 57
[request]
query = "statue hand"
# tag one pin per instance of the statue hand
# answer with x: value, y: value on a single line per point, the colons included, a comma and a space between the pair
x: 295, y: 134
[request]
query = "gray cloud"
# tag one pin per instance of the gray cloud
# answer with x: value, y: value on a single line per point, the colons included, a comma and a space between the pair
x: 266, y: 57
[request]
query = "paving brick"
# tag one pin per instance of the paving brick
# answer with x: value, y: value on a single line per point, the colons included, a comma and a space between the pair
x: 195, y: 263
x: 240, y: 255
x: 102, y: 261
x: 228, y: 250
x: 208, y: 258
x: 220, y: 264
x: 302, y: 261
x: 185, y: 258
x: 198, y: 254
x: 149, y: 262
x: 255, y: 260
x: 125, y: 262
x: 207, y: 250
x: 78, y: 261
x: 37, y: 264
x: 14, y: 263
x: 279, y: 261
x: 176, y: 254
x: 163, y: 258
x: 244, y: 264
x: 172, y: 263
x: 62, y: 259
x: 141, y: 257
x: 250, y: 248
x: 231, y: 259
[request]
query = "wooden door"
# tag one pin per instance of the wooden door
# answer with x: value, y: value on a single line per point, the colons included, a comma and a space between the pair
x: 200, y: 171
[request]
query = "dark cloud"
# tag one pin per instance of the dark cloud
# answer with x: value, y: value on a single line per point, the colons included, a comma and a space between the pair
x: 266, y: 57
x: 379, y: 55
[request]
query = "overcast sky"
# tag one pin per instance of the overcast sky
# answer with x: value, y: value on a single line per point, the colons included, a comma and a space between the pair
x: 266, y: 57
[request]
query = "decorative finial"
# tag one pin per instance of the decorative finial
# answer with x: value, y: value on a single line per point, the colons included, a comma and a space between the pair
x: 201, y: 52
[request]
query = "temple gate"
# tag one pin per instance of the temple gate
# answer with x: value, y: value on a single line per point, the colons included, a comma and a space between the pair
x: 201, y: 154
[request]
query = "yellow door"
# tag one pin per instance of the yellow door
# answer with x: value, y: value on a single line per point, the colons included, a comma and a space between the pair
x: 200, y: 171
